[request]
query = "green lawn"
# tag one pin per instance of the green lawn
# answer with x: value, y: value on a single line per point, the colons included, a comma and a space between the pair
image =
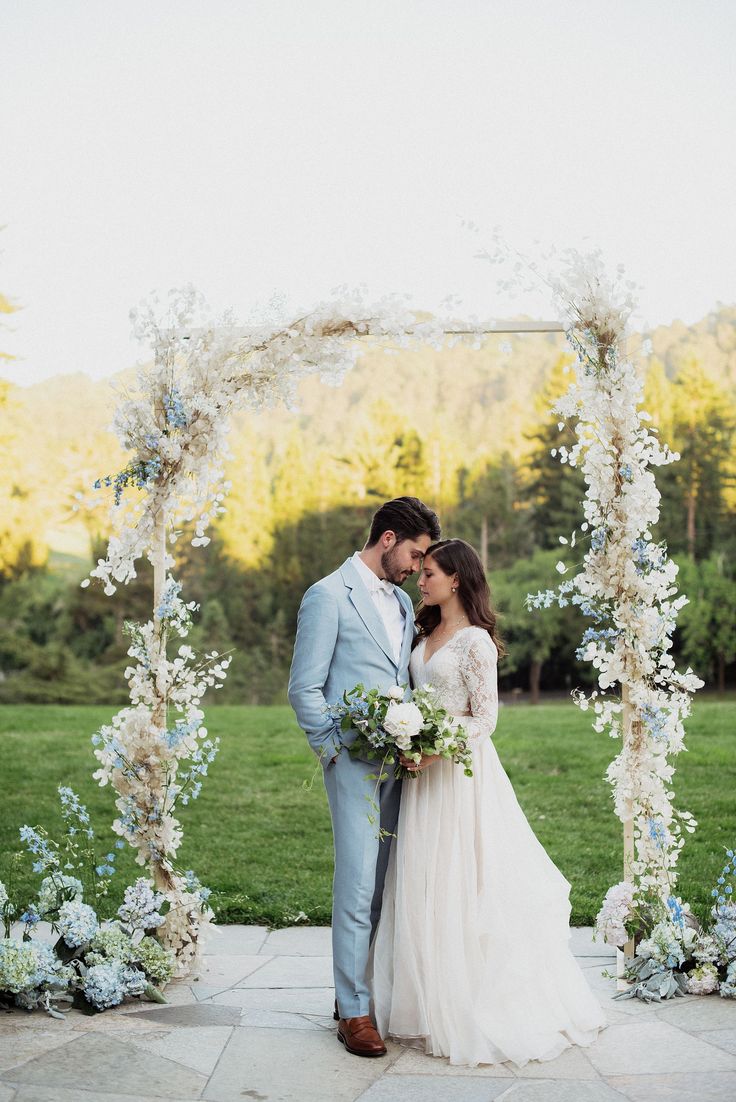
x: 262, y: 841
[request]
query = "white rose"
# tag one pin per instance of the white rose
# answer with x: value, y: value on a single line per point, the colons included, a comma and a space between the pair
x: 403, y: 721
x: 396, y: 692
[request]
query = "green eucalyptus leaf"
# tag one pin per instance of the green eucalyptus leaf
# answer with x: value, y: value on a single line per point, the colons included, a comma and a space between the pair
x: 153, y: 994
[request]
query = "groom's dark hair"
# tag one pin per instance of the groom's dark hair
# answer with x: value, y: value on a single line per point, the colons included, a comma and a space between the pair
x: 407, y: 518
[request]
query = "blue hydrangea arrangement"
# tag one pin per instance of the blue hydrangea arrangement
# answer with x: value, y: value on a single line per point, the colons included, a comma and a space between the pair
x: 681, y: 957
x: 93, y: 965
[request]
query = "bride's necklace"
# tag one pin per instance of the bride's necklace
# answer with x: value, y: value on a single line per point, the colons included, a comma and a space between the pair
x: 442, y: 629
x: 444, y: 626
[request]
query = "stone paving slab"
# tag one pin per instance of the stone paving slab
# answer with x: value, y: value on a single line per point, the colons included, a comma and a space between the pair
x: 724, y: 1038
x: 301, y: 1000
x: 419, y: 1088
x: 562, y: 1090
x: 227, y: 969
x: 697, y: 1013
x: 700, y: 1087
x: 247, y: 940
x: 412, y: 1062
x: 570, y: 1064
x: 19, y: 1045
x: 276, y: 1019
x: 584, y: 943
x: 651, y: 1047
x: 290, y: 1066
x: 97, y: 1062
x: 35, y: 1093
x: 295, y: 941
x: 198, y: 1049
x: 191, y: 1017
x: 287, y: 971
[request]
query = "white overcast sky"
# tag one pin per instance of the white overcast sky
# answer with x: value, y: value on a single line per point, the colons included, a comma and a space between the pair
x: 262, y: 146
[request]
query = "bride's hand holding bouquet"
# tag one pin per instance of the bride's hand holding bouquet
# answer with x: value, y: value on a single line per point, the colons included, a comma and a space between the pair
x: 405, y: 733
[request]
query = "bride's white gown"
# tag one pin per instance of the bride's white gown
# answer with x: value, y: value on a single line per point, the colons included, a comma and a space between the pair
x: 471, y: 957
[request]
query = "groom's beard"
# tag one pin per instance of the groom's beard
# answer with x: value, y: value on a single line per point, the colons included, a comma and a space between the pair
x: 391, y: 569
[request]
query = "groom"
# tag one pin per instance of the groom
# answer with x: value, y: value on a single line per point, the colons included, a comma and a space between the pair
x: 356, y: 625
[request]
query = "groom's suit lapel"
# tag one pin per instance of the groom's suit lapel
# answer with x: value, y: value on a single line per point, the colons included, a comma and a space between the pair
x: 361, y: 601
x: 406, y: 642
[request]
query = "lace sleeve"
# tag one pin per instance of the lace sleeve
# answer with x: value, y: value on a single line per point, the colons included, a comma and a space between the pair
x: 479, y: 675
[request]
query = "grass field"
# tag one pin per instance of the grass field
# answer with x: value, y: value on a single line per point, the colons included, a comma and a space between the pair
x: 263, y: 843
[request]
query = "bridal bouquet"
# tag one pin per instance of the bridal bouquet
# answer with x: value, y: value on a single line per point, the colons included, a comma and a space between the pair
x: 389, y: 727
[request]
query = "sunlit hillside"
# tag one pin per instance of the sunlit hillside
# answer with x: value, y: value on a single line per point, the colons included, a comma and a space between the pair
x: 467, y: 430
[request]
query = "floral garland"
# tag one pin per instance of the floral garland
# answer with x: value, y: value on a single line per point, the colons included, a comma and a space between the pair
x: 626, y: 584
x: 178, y: 422
x: 176, y: 426
x: 156, y: 763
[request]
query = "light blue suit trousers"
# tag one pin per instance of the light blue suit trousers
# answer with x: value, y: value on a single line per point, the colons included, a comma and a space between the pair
x: 340, y: 641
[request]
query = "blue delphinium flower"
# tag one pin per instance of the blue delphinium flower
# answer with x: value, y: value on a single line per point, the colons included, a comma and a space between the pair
x: 655, y: 720
x: 678, y: 915
x: 37, y: 844
x: 182, y: 729
x: 71, y: 806
x: 176, y: 416
x: 167, y: 606
x: 195, y: 886
x: 598, y: 539
x: 30, y: 917
x: 199, y: 763
x: 657, y: 831
x: 595, y: 635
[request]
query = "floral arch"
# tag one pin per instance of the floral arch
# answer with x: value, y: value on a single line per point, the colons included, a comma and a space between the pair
x: 156, y: 750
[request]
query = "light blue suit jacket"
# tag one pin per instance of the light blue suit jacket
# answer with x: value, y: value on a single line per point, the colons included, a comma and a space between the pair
x: 340, y: 641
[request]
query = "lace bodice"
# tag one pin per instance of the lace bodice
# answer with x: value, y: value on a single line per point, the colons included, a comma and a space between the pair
x: 464, y: 673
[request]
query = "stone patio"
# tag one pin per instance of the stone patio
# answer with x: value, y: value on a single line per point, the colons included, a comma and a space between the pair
x: 257, y: 1025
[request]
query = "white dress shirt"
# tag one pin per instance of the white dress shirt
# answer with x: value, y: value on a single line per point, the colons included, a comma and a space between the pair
x: 387, y: 603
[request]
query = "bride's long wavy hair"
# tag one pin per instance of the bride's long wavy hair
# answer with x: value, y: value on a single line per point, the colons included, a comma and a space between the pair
x: 458, y: 557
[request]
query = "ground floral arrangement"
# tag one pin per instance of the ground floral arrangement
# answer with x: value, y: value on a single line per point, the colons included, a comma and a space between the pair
x: 675, y: 955
x: 93, y: 965
x: 626, y: 585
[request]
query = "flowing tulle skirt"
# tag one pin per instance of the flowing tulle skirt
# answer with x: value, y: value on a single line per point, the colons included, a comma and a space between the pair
x: 471, y: 958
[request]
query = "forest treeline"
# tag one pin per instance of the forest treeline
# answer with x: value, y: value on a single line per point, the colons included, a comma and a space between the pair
x: 469, y: 431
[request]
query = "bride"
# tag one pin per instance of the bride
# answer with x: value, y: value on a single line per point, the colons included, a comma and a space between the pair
x: 471, y: 957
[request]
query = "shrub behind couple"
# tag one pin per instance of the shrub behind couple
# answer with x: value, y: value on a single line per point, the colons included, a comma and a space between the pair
x: 452, y: 935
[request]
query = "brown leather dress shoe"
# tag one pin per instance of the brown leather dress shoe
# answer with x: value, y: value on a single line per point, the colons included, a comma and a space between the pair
x: 360, y: 1036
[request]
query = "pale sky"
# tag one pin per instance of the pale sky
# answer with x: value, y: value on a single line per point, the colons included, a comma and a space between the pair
x: 255, y: 147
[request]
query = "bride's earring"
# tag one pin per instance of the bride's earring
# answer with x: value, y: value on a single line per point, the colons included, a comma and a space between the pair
x: 454, y: 589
